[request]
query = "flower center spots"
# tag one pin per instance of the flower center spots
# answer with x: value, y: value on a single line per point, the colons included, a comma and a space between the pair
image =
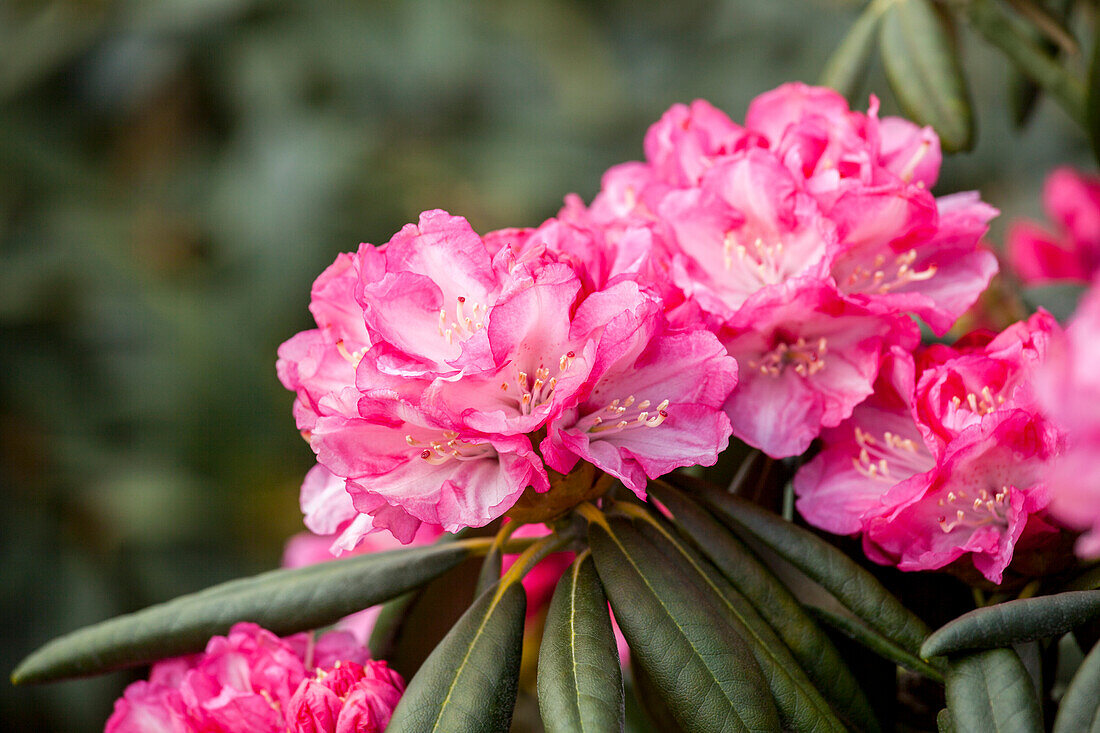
x: 892, y: 459
x: 884, y: 275
x: 449, y: 447
x: 619, y: 415
x: 805, y: 358
x: 469, y: 318
x: 982, y: 403
x: 974, y: 511
x: 761, y: 257
x: 532, y: 393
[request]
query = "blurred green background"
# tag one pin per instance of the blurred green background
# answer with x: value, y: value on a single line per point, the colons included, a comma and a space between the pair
x: 176, y: 173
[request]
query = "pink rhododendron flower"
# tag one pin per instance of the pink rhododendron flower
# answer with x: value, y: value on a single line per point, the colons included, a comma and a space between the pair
x: 1069, y: 386
x: 977, y: 501
x: 470, y: 347
x: 949, y: 458
x: 253, y: 680
x: 1072, y: 251
x: 809, y: 357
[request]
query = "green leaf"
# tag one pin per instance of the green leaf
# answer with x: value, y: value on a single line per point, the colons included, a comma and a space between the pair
x: 879, y: 644
x: 705, y: 672
x: 991, y: 692
x: 855, y: 588
x: 809, y: 645
x: 1014, y: 40
x: 1013, y: 622
x: 490, y: 570
x: 1023, y: 92
x: 580, y: 682
x: 388, y: 625
x: 283, y: 601
x: 1079, y: 711
x: 468, y: 683
x: 923, y: 68
x: 847, y: 66
x: 1061, y: 300
x: 801, y: 707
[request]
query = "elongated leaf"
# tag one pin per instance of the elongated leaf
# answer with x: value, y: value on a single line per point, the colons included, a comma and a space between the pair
x: 991, y: 692
x: 1023, y: 92
x: 468, y: 684
x: 923, y: 69
x: 855, y: 588
x: 580, y: 682
x: 847, y: 66
x: 490, y: 571
x: 1079, y: 711
x: 1013, y: 622
x: 706, y: 673
x: 810, y: 647
x: 388, y: 623
x: 876, y: 642
x: 284, y: 601
x: 801, y: 707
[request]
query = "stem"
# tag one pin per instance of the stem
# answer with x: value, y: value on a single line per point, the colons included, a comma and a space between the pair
x: 480, y: 546
x: 1004, y: 32
x: 592, y: 514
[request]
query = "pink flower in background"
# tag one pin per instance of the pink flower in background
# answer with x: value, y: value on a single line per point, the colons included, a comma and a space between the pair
x: 1069, y: 387
x: 251, y: 680
x: 470, y: 348
x: 1071, y: 252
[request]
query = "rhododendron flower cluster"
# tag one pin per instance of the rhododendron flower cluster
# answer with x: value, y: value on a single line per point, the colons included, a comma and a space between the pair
x: 1072, y: 251
x: 442, y: 360
x: 1069, y: 386
x: 251, y: 680
x: 450, y: 372
x: 949, y: 458
x: 804, y: 240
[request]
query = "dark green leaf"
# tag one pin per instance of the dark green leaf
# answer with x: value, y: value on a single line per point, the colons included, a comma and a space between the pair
x: 1023, y: 92
x: 1013, y: 622
x: 1079, y: 711
x: 1061, y: 300
x: 801, y: 707
x: 814, y: 653
x: 490, y: 570
x: 284, y: 601
x: 580, y: 682
x: 879, y: 644
x: 922, y: 65
x: 855, y: 588
x: 705, y: 672
x: 848, y: 65
x: 991, y: 692
x: 388, y: 624
x: 468, y: 684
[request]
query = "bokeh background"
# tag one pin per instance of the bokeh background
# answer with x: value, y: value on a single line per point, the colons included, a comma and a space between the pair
x: 174, y: 174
